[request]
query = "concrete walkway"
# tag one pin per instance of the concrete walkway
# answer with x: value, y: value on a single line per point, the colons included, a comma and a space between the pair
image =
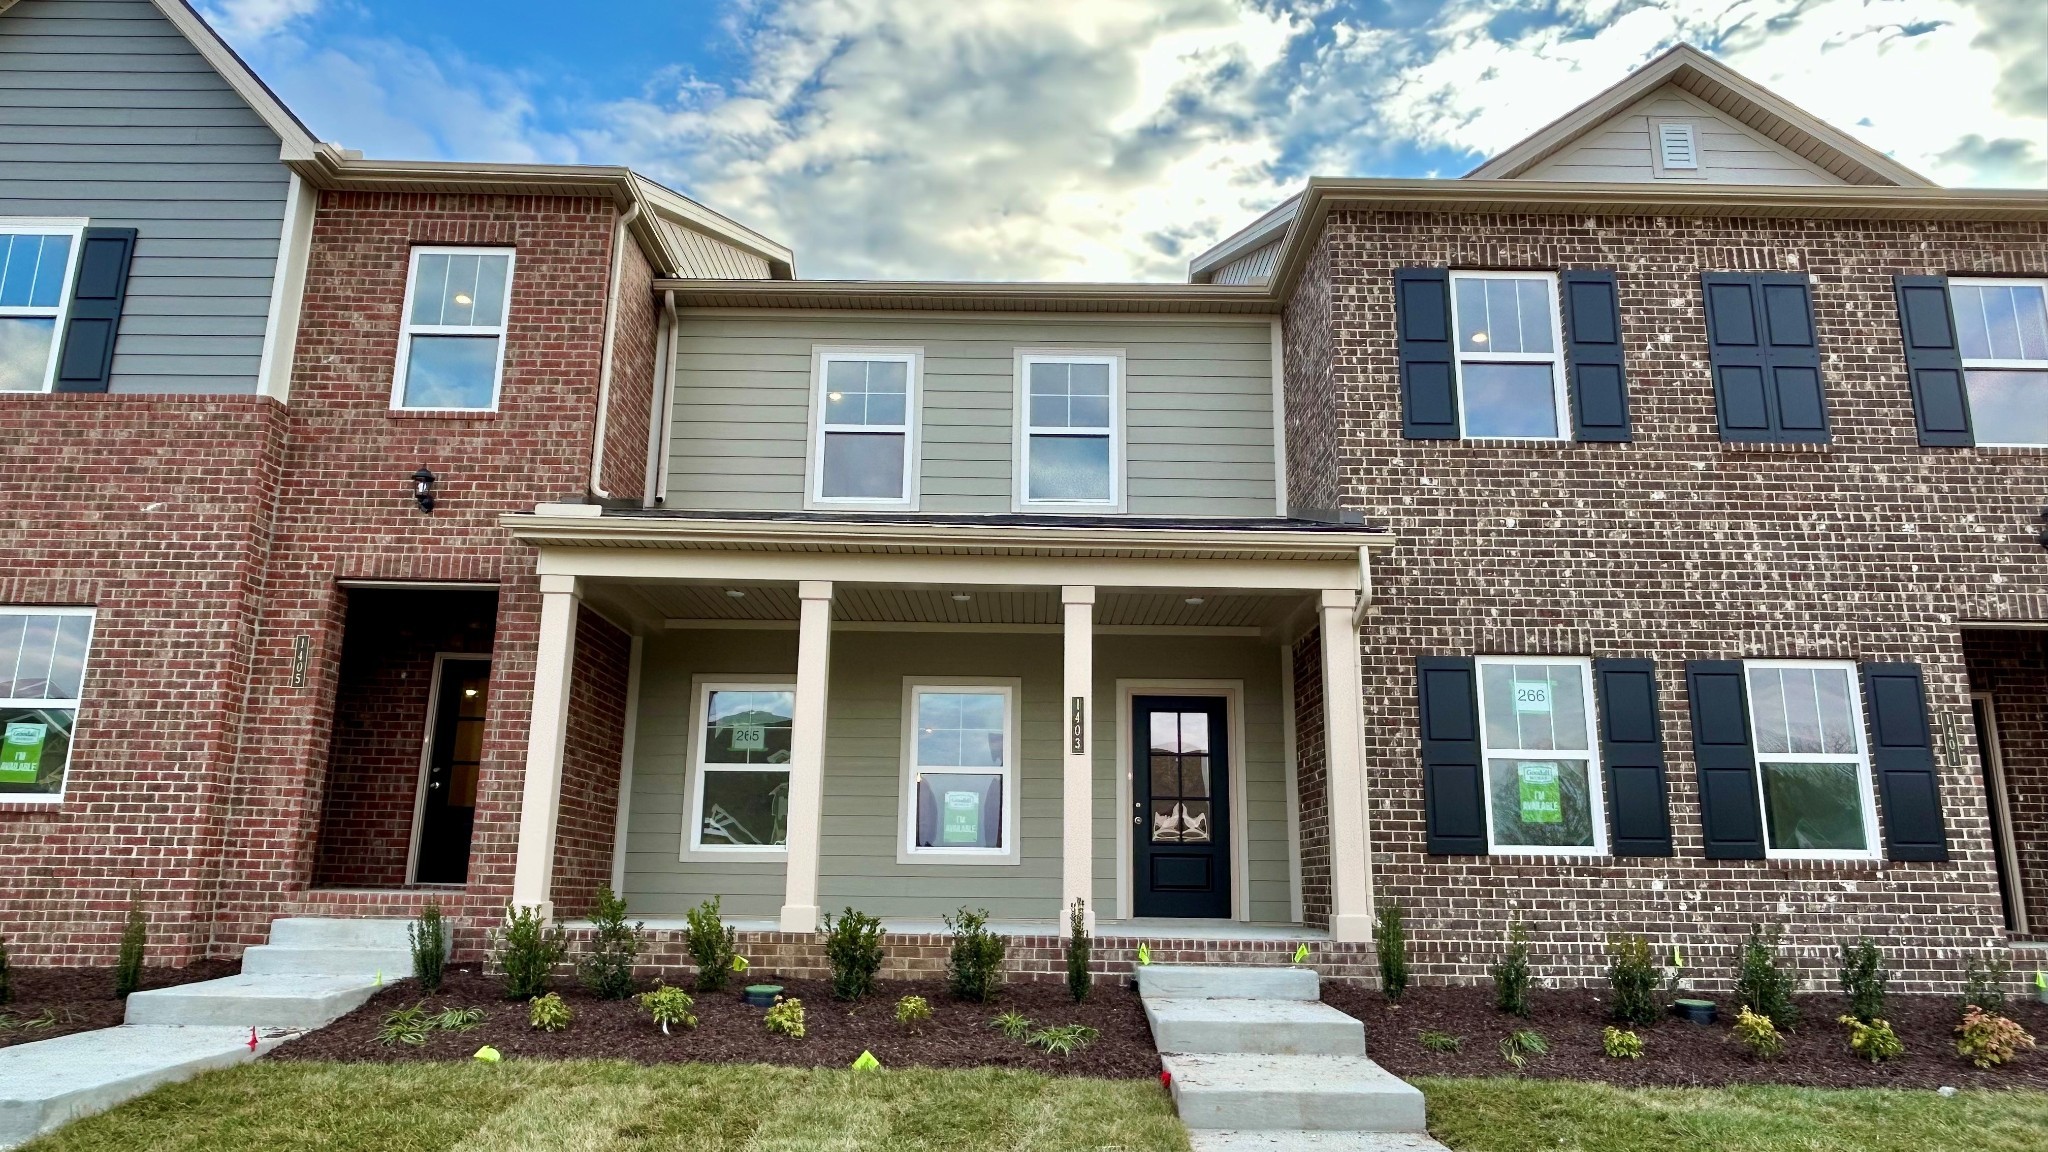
x: 1259, y: 1062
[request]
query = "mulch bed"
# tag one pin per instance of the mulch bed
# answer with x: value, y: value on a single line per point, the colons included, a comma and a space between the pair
x: 81, y: 999
x: 1678, y: 1053
x: 957, y: 1036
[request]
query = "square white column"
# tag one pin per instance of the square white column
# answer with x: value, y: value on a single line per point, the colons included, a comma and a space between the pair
x: 1077, y: 756
x: 540, y: 805
x: 1344, y: 759
x: 807, y: 755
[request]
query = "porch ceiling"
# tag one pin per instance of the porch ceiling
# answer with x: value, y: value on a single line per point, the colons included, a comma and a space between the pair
x: 889, y: 604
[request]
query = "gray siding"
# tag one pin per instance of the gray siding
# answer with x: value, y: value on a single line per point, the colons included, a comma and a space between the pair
x: 1199, y: 408
x: 863, y: 770
x: 1254, y: 267
x: 107, y: 112
x: 1619, y: 150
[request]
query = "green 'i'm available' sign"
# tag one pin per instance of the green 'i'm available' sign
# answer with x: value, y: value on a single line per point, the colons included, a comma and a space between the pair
x: 21, y: 752
x: 1542, y: 801
x: 962, y: 818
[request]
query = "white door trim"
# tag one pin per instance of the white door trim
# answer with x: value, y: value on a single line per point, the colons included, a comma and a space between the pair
x: 1232, y: 692
x: 1994, y: 777
x: 419, y: 797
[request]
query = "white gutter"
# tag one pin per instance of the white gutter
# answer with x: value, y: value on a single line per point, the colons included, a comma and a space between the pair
x: 611, y: 331
x: 667, y: 393
x: 658, y: 401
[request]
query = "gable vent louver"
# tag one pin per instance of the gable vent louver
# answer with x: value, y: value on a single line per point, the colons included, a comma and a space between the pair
x: 1676, y: 145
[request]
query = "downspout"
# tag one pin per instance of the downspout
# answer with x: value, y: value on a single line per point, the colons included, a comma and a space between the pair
x: 675, y: 327
x: 604, y: 368
x: 657, y: 416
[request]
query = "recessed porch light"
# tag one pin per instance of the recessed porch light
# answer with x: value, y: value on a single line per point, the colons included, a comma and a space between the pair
x: 1194, y: 601
x: 962, y: 597
x: 736, y: 593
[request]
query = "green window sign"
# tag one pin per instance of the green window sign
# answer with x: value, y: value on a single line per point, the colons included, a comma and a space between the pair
x: 21, y: 752
x: 1542, y: 802
x: 961, y: 820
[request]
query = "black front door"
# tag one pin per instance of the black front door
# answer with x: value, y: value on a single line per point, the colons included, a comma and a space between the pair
x: 1181, y: 793
x: 454, y: 755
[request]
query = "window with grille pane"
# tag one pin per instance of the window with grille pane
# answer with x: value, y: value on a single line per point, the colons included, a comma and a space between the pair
x: 42, y: 675
x: 451, y: 354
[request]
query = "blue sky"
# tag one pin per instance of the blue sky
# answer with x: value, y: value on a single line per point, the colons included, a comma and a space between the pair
x: 1096, y: 139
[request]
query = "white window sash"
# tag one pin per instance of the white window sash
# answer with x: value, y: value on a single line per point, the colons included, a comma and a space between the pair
x: 407, y: 329
x: 1866, y: 787
x: 35, y: 226
x: 694, y: 847
x: 907, y: 849
x: 1026, y: 430
x: 1595, y: 783
x: 1554, y: 358
x: 910, y: 429
x: 74, y: 705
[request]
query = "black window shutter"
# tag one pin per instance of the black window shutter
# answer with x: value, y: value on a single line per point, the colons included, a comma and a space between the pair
x: 1632, y: 750
x: 87, y: 362
x: 1429, y: 381
x: 1593, y: 357
x: 1934, y: 362
x: 1902, y: 756
x: 1453, y: 797
x: 1731, y: 825
x: 1765, y: 357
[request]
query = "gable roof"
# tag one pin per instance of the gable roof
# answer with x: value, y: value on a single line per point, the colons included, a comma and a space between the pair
x: 1727, y: 91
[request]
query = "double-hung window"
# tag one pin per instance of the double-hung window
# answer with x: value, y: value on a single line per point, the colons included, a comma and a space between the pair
x: 865, y: 451
x: 960, y: 772
x: 451, y: 353
x: 36, y: 262
x: 1510, y: 366
x: 1813, y: 769
x: 2002, y: 332
x: 1070, y: 434
x: 740, y: 801
x: 1543, y: 792
x: 42, y: 672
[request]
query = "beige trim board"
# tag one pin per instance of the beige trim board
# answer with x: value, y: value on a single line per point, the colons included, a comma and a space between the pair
x: 1183, y: 575
x: 1232, y: 692
x: 1233, y: 631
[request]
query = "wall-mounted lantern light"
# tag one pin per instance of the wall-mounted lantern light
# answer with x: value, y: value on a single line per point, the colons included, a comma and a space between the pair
x: 423, y: 489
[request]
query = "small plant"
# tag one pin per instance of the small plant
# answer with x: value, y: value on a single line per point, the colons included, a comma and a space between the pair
x: 1511, y: 975
x: 1079, y: 979
x: 1763, y: 982
x: 1064, y: 1040
x: 1633, y: 977
x: 1873, y: 1040
x: 912, y: 1011
x: 1984, y: 985
x: 975, y: 968
x: 1013, y: 1025
x: 1519, y: 1046
x: 786, y: 1019
x: 1987, y: 1039
x: 41, y: 1022
x: 1441, y: 1043
x: 134, y: 942
x: 1759, y: 1035
x: 607, y: 969
x: 458, y: 1019
x: 6, y: 975
x: 713, y: 944
x: 669, y: 1006
x: 1390, y: 939
x: 529, y: 951
x: 853, y: 946
x: 408, y: 1026
x: 1863, y: 979
x: 429, y: 937
x: 548, y: 1013
x: 1620, y: 1043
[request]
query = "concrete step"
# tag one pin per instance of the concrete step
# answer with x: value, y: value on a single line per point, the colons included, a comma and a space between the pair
x: 285, y: 960
x: 48, y: 1083
x: 1271, y: 1027
x: 1189, y: 982
x: 251, y: 1000
x: 340, y: 932
x: 1215, y: 1141
x: 1313, y: 1093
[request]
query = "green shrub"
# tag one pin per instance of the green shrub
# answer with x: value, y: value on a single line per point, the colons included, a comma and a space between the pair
x: 6, y: 975
x: 1390, y: 939
x: 1984, y: 985
x: 1987, y: 1039
x: 607, y: 969
x: 786, y: 1018
x: 1863, y: 979
x: 548, y: 1013
x: 912, y: 1011
x: 1064, y: 1040
x: 1759, y: 1035
x: 1079, y: 979
x: 459, y: 1019
x: 975, y: 968
x: 1511, y: 975
x: 408, y: 1026
x: 1441, y: 1043
x: 528, y: 951
x: 1873, y: 1040
x: 1519, y: 1046
x: 712, y: 945
x: 1013, y: 1025
x: 134, y: 943
x: 429, y: 937
x: 853, y: 946
x: 1633, y: 977
x: 1763, y: 982
x: 1620, y: 1043
x: 669, y: 1006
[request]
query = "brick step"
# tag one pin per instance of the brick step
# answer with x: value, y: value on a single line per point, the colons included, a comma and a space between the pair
x: 254, y: 1001
x: 341, y: 932
x: 1311, y: 1093
x: 1269, y: 1027
x: 281, y: 960
x: 1194, y: 982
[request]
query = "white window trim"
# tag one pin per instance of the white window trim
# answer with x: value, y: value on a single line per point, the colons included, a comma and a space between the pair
x: 419, y: 799
x: 701, y: 688
x: 912, y: 429
x: 407, y: 329
x: 1021, y: 462
x: 1866, y: 786
x: 1968, y: 363
x: 76, y: 706
x: 1596, y: 779
x: 907, y: 852
x: 1554, y: 358
x: 73, y: 227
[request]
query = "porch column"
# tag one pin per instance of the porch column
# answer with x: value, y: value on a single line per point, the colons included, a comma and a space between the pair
x: 533, y: 875
x: 1077, y: 809
x: 1344, y: 752
x: 807, y: 755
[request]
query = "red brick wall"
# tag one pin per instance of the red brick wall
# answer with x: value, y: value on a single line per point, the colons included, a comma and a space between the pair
x: 632, y: 390
x: 1313, y: 774
x: 2013, y: 667
x: 1678, y: 547
x: 591, y: 759
x: 1311, y: 400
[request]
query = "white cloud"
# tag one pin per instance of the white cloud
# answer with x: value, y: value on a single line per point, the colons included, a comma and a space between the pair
x: 245, y: 21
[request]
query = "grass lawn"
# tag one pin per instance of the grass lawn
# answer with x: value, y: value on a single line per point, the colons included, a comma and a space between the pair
x: 1499, y: 1115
